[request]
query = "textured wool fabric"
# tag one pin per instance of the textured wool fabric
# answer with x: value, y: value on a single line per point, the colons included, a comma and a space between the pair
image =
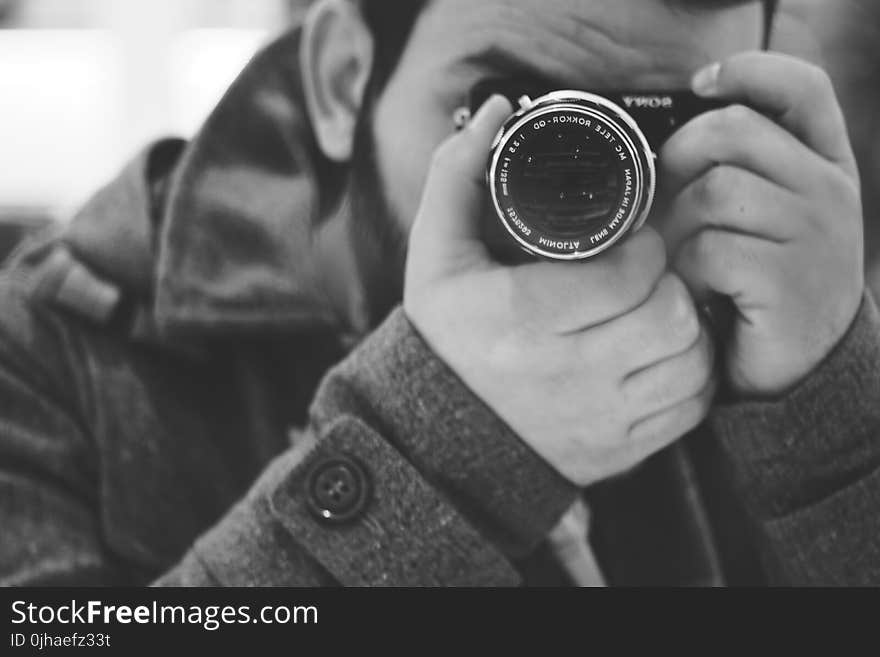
x: 408, y: 537
x: 819, y: 438
x: 808, y: 465
x: 513, y: 495
x: 412, y: 536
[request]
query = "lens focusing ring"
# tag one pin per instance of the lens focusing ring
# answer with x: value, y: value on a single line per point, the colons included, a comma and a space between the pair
x: 571, y: 175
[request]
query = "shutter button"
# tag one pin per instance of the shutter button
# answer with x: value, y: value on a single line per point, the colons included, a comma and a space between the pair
x: 338, y: 490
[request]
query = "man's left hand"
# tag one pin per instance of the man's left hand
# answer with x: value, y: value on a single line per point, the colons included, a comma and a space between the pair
x: 763, y: 206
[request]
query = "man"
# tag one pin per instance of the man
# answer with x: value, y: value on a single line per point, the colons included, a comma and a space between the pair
x: 160, y: 360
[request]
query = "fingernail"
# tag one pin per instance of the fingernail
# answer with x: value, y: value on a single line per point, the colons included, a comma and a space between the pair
x: 495, y: 100
x: 705, y: 81
x: 492, y: 111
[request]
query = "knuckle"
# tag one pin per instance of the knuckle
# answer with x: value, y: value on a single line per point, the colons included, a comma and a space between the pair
x: 682, y: 320
x: 693, y: 413
x: 657, y: 395
x: 685, y: 379
x: 699, y: 368
x: 690, y: 414
x: 839, y: 189
x: 706, y: 355
x: 646, y: 247
x: 705, y: 246
x: 715, y: 187
x: 715, y: 121
x: 704, y: 400
x: 687, y: 323
x: 734, y: 118
x: 667, y: 290
x: 819, y: 78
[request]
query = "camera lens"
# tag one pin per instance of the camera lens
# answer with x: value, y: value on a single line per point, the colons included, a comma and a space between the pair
x: 571, y: 175
x: 566, y: 181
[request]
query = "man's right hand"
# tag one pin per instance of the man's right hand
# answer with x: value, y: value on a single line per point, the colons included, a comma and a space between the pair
x: 596, y: 365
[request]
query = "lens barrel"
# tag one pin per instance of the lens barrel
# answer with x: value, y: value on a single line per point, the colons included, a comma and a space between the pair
x: 571, y: 174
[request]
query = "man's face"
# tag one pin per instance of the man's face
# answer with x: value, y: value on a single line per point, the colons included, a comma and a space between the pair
x: 589, y: 45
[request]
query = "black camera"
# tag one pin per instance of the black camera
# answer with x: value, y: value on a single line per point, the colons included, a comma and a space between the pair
x: 572, y: 173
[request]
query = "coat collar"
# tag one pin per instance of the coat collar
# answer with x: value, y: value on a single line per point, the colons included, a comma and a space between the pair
x: 249, y: 236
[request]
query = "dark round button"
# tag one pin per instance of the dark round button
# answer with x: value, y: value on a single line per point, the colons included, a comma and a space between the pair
x: 338, y: 489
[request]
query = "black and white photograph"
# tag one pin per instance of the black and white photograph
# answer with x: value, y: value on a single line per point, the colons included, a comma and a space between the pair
x: 433, y: 293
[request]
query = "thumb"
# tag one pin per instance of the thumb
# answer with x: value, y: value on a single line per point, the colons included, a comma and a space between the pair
x: 455, y: 193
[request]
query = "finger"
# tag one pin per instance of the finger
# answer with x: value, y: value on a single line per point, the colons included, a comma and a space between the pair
x: 741, y: 137
x: 731, y: 264
x: 455, y: 193
x: 660, y: 430
x: 673, y: 381
x: 666, y: 325
x: 577, y: 296
x: 734, y: 199
x: 797, y: 94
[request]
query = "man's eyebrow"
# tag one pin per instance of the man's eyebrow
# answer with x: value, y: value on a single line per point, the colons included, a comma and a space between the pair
x: 509, y: 64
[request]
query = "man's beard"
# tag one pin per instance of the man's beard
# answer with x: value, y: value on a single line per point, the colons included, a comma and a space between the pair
x: 381, y: 239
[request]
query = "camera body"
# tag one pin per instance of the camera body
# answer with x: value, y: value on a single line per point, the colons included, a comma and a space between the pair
x: 571, y: 173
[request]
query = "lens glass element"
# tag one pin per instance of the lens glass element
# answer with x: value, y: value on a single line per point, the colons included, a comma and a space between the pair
x: 567, y: 180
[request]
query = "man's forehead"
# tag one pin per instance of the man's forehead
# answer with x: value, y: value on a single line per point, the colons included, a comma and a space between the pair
x: 650, y: 43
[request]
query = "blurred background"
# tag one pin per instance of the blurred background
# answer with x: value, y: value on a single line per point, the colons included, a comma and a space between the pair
x: 86, y: 83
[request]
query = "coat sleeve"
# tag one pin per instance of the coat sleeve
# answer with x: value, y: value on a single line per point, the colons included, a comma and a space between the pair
x: 808, y: 466
x: 454, y: 496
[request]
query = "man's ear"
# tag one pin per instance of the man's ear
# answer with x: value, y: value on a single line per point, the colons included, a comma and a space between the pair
x: 336, y: 58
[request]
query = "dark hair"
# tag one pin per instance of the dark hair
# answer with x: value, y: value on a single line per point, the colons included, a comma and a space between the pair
x: 392, y: 21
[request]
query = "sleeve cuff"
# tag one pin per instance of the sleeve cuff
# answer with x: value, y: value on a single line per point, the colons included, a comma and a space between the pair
x: 820, y: 438
x: 404, y: 535
x: 413, y: 399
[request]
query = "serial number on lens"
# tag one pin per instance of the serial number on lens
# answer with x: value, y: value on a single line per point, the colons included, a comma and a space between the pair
x: 43, y: 640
